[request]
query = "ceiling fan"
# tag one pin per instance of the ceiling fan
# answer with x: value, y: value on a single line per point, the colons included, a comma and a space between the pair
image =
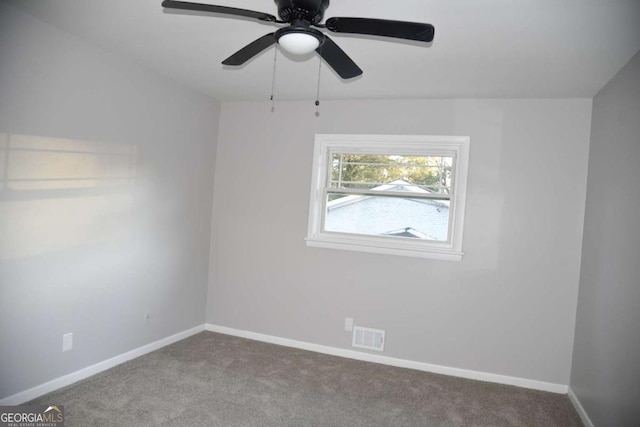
x: 300, y: 38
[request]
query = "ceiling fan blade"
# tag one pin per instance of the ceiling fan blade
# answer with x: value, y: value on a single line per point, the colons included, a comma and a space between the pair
x: 199, y: 7
x: 382, y: 27
x: 250, y: 50
x: 338, y: 60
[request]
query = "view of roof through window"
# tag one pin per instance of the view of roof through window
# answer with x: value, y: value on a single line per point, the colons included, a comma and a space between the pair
x: 389, y: 195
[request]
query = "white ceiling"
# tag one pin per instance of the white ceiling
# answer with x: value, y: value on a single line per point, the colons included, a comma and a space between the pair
x: 482, y: 48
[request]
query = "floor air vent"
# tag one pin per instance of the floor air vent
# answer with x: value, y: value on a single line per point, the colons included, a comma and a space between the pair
x: 372, y: 339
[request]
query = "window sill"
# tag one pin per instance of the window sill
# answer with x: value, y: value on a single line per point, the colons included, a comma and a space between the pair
x: 411, y: 249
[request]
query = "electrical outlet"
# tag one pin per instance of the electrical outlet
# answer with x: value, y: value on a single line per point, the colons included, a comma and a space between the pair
x: 348, y: 324
x: 67, y: 341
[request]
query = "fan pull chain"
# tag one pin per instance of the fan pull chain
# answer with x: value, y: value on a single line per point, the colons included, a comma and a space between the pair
x: 318, y: 90
x: 273, y: 80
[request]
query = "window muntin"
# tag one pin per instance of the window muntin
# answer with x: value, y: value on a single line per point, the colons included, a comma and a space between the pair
x: 389, y: 194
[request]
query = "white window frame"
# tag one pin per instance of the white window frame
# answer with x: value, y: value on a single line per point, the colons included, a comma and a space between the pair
x: 419, y: 145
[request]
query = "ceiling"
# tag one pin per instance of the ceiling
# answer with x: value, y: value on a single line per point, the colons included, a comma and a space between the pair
x: 482, y: 48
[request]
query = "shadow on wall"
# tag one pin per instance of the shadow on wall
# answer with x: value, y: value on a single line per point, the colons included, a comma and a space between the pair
x: 58, y: 193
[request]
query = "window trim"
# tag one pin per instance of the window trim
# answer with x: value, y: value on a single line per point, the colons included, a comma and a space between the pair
x: 455, y: 146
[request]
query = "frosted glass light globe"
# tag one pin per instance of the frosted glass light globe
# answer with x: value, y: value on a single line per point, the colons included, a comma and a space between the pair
x: 298, y: 43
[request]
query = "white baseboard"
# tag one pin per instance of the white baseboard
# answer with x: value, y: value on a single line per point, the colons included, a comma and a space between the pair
x: 580, y: 409
x: 385, y: 360
x: 37, y: 391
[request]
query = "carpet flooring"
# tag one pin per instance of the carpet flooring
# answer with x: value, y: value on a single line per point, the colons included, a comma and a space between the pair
x: 212, y: 379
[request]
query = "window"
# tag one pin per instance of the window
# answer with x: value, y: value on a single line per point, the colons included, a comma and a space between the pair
x: 400, y: 195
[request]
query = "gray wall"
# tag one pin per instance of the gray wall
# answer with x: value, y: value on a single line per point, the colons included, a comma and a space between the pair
x: 507, y: 308
x: 605, y: 374
x: 92, y: 260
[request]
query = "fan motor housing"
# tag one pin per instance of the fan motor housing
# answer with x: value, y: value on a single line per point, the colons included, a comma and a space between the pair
x: 311, y: 11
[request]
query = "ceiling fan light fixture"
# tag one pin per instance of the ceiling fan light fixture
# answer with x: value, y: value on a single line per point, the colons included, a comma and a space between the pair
x: 299, y: 43
x: 299, y: 40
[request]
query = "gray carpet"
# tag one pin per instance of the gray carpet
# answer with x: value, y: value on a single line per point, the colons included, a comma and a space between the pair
x: 211, y: 379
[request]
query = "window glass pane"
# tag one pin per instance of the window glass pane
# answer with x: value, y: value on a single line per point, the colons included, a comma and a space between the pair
x: 389, y: 216
x: 377, y: 171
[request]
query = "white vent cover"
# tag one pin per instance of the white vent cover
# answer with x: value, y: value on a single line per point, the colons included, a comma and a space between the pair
x: 372, y: 339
